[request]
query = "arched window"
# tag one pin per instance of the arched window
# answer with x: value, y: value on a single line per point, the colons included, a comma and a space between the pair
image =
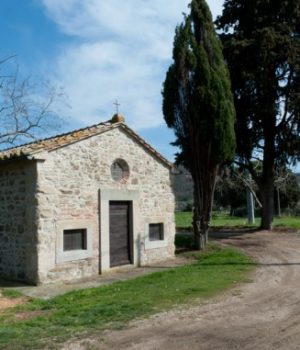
x: 119, y: 170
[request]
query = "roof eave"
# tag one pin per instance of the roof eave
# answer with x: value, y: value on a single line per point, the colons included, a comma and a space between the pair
x: 147, y: 146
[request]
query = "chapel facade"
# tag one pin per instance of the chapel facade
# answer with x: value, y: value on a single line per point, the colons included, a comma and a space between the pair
x: 82, y: 203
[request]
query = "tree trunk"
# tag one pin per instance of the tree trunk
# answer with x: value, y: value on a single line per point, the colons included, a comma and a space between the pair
x: 198, y: 236
x: 204, y: 186
x: 267, y: 192
x: 268, y: 175
x: 268, y: 167
x: 205, y: 229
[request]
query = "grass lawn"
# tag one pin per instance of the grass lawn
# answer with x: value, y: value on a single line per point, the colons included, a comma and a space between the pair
x: 40, y: 323
x: 288, y: 222
x: 184, y: 220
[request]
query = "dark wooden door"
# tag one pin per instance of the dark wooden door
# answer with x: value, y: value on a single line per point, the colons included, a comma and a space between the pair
x: 119, y: 233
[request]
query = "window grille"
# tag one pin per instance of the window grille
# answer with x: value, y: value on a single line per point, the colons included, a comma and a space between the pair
x: 156, y: 232
x: 75, y: 239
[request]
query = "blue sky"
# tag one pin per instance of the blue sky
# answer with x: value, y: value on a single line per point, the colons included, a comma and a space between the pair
x: 99, y: 51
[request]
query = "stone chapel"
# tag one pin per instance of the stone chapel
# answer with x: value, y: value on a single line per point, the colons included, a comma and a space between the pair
x: 82, y: 203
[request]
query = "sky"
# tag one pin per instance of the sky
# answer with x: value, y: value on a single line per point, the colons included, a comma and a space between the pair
x: 99, y: 51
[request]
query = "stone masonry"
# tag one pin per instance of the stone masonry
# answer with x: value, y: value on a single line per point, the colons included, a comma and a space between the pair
x: 18, y: 236
x: 68, y: 187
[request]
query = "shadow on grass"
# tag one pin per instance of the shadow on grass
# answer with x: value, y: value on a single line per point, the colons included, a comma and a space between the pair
x: 225, y: 233
x: 184, y: 239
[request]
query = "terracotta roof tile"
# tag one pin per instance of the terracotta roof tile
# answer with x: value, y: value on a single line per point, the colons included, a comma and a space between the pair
x: 28, y: 150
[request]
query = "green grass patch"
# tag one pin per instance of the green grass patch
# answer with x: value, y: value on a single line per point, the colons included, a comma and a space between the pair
x: 225, y: 220
x: 288, y: 222
x: 47, y: 323
x: 184, y: 220
x: 11, y: 293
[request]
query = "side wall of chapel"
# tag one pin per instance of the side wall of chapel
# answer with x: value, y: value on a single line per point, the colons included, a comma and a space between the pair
x: 18, y: 226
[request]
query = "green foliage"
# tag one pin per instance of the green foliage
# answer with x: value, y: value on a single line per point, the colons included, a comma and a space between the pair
x: 230, y: 188
x: 261, y: 40
x: 197, y: 101
x: 83, y: 312
x: 184, y: 240
x: 198, y: 106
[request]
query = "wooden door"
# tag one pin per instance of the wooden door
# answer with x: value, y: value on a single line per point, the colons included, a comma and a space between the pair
x: 119, y: 233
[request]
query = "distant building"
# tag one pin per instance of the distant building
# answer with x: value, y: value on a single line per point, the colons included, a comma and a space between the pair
x: 81, y: 203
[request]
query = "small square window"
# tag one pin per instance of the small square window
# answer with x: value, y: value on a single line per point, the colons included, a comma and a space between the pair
x: 75, y: 239
x: 156, y: 232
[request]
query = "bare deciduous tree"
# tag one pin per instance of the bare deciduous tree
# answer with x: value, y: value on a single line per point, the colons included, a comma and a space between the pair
x: 25, y: 108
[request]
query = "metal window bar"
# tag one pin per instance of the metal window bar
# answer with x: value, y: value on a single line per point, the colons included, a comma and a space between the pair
x: 75, y: 239
x: 156, y: 232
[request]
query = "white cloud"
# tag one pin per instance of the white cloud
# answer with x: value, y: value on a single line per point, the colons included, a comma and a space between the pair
x: 141, y: 20
x: 122, y: 50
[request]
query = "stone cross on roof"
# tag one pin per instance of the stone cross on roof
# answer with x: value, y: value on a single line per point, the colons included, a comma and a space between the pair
x: 117, y: 104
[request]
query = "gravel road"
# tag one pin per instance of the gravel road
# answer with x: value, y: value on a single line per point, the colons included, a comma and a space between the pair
x: 263, y: 314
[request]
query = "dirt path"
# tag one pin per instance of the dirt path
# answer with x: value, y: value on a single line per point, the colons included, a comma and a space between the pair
x: 264, y: 314
x: 6, y: 303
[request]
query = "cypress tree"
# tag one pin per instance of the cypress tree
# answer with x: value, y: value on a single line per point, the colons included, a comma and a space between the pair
x: 261, y: 40
x: 198, y: 106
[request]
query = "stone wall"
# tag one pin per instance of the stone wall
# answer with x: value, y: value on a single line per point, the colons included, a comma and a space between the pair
x: 18, y: 259
x: 69, y: 186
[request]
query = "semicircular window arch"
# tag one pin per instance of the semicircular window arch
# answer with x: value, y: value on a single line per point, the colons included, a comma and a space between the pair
x: 119, y: 170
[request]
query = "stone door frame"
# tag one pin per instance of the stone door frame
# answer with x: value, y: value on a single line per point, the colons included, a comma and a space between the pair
x: 105, y: 196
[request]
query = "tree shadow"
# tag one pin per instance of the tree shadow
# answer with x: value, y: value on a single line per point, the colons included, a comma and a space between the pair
x: 227, y: 233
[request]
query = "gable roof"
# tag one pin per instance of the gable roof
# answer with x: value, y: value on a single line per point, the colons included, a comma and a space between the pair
x: 29, y: 150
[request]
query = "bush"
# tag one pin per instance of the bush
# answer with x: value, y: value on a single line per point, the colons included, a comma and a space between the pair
x: 242, y: 212
x: 189, y: 206
x: 292, y: 211
x: 184, y: 240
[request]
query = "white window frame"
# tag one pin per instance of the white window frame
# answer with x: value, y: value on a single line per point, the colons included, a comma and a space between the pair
x: 73, y: 255
x: 159, y: 243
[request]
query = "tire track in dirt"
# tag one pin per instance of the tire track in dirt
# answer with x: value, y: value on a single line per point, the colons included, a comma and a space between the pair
x: 264, y: 314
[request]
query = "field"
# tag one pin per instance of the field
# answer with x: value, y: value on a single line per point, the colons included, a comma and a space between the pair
x: 39, y: 324
x: 184, y: 220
